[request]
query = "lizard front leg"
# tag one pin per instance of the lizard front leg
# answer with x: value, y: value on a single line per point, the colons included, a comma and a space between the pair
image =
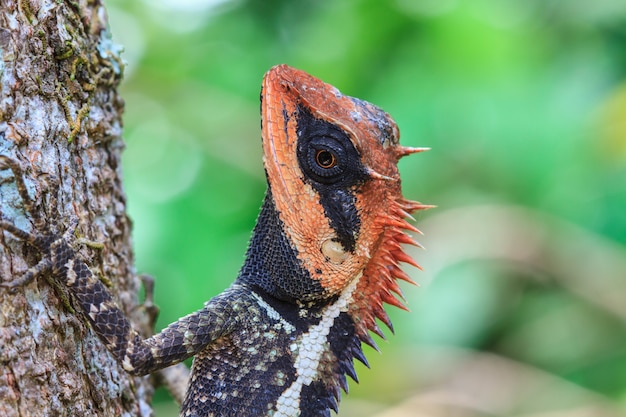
x: 138, y: 356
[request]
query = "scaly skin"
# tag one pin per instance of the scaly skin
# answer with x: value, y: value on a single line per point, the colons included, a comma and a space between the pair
x: 322, y: 260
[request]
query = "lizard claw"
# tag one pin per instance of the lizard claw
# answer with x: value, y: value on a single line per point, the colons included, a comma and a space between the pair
x: 13, y: 165
x: 5, y: 162
x: 43, y: 266
x: 9, y: 285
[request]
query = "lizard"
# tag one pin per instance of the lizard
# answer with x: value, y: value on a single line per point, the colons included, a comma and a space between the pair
x: 323, y: 258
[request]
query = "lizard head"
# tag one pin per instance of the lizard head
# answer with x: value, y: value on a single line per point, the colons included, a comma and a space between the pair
x: 331, y: 163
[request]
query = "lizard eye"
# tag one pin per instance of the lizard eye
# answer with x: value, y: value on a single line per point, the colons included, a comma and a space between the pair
x: 325, y: 159
x: 326, y: 154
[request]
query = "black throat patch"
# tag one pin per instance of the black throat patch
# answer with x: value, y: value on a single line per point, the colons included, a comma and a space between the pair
x: 272, y: 263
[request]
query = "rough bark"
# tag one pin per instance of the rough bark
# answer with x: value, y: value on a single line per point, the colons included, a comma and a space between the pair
x: 60, y: 117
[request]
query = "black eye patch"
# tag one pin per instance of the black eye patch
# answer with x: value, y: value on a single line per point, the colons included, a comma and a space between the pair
x: 332, y: 165
x: 326, y: 154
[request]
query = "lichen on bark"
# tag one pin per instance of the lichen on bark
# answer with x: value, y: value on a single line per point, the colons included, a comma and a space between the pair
x: 60, y: 117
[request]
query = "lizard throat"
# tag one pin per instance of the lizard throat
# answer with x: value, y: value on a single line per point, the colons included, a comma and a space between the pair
x: 272, y: 264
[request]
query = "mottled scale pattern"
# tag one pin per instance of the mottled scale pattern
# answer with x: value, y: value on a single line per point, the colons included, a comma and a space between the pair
x: 251, y: 370
x: 256, y: 354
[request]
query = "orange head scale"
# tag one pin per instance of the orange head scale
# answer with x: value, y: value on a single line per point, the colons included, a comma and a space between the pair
x: 333, y: 220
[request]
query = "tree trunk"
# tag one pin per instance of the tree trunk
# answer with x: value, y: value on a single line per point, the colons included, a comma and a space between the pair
x: 60, y: 118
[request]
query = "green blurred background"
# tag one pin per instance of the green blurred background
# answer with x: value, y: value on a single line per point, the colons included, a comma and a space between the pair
x: 522, y: 304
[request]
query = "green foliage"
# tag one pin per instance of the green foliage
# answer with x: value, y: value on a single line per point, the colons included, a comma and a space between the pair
x: 524, y: 105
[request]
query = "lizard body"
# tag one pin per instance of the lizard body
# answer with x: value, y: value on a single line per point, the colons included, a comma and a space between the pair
x: 323, y: 258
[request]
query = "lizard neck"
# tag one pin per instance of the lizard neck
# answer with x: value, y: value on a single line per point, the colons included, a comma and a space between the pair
x: 319, y: 339
x: 271, y: 262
